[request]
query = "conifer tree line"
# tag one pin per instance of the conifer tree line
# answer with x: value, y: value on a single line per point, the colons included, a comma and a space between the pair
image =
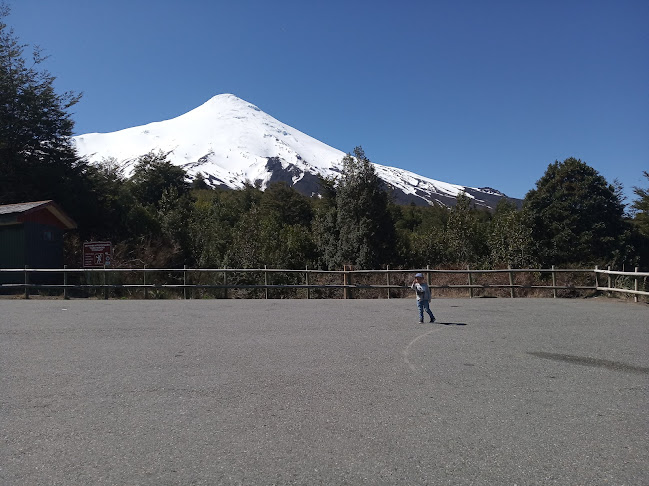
x: 157, y: 216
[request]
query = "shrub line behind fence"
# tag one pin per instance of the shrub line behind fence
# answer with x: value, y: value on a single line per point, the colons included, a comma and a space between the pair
x: 348, y: 285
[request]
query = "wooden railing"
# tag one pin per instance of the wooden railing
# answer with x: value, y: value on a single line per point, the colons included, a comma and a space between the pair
x: 347, y: 281
x: 635, y: 276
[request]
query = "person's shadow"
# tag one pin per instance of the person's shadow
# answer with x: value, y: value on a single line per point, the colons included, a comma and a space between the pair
x: 450, y: 323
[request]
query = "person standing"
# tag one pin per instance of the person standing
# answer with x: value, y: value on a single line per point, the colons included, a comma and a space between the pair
x: 423, y: 297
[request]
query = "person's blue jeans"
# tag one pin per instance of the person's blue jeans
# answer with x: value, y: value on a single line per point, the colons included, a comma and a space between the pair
x: 424, y: 305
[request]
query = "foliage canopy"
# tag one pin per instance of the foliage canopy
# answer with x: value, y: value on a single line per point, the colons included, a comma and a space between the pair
x: 575, y: 215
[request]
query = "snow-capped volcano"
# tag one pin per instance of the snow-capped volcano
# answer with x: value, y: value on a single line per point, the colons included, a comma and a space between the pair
x: 231, y: 141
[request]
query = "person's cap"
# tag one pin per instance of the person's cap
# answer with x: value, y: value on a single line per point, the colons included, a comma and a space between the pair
x: 419, y: 275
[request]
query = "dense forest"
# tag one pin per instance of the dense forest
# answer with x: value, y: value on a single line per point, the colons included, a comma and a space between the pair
x: 161, y: 218
x: 156, y: 217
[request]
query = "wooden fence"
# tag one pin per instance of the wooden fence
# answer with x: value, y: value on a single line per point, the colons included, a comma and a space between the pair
x: 345, y: 283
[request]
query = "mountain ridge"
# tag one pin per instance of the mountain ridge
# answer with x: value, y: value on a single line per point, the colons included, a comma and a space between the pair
x: 232, y: 142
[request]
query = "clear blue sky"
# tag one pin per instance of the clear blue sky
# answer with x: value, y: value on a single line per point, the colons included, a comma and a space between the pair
x: 472, y: 92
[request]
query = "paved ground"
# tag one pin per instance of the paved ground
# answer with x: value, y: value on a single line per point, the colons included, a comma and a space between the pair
x: 500, y: 391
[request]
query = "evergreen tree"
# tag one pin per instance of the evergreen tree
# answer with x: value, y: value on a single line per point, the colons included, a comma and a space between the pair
x: 576, y: 216
x: 174, y: 213
x: 420, y: 231
x: 112, y: 198
x: 290, y: 206
x: 366, y: 230
x: 465, y: 235
x: 641, y: 208
x: 254, y: 240
x: 210, y: 227
x: 641, y: 224
x: 406, y: 217
x: 324, y: 225
x: 153, y: 175
x: 297, y: 248
x: 510, y: 237
x: 37, y: 159
x: 200, y: 183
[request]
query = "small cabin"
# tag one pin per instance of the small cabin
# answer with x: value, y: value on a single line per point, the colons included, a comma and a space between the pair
x: 31, y: 234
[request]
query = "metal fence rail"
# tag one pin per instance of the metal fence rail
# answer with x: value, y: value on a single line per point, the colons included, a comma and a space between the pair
x: 348, y: 280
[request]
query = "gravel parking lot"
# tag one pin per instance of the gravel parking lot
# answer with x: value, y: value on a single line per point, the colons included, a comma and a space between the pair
x: 174, y: 392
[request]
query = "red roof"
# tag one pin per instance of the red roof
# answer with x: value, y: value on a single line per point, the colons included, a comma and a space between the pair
x: 45, y: 212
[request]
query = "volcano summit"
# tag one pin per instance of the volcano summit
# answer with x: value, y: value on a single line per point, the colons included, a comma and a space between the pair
x: 231, y: 142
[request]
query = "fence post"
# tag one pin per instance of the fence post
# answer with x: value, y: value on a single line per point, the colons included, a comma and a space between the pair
x: 347, y: 280
x: 468, y: 270
x: 306, y: 280
x: 185, y: 282
x: 596, y: 278
x: 387, y: 273
x: 26, y: 283
x: 609, y: 277
x: 554, y: 283
x: 511, y: 281
x: 65, y: 283
x: 146, y: 290
x: 105, y: 286
x: 266, y: 281
x: 635, y: 296
x: 225, y: 284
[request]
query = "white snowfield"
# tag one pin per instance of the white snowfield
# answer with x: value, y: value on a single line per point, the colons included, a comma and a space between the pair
x: 230, y: 142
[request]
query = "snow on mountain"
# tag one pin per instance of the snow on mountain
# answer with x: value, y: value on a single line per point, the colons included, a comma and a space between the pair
x: 231, y: 141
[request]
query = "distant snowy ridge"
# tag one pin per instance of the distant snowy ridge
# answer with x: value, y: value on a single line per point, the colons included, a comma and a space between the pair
x: 231, y: 142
